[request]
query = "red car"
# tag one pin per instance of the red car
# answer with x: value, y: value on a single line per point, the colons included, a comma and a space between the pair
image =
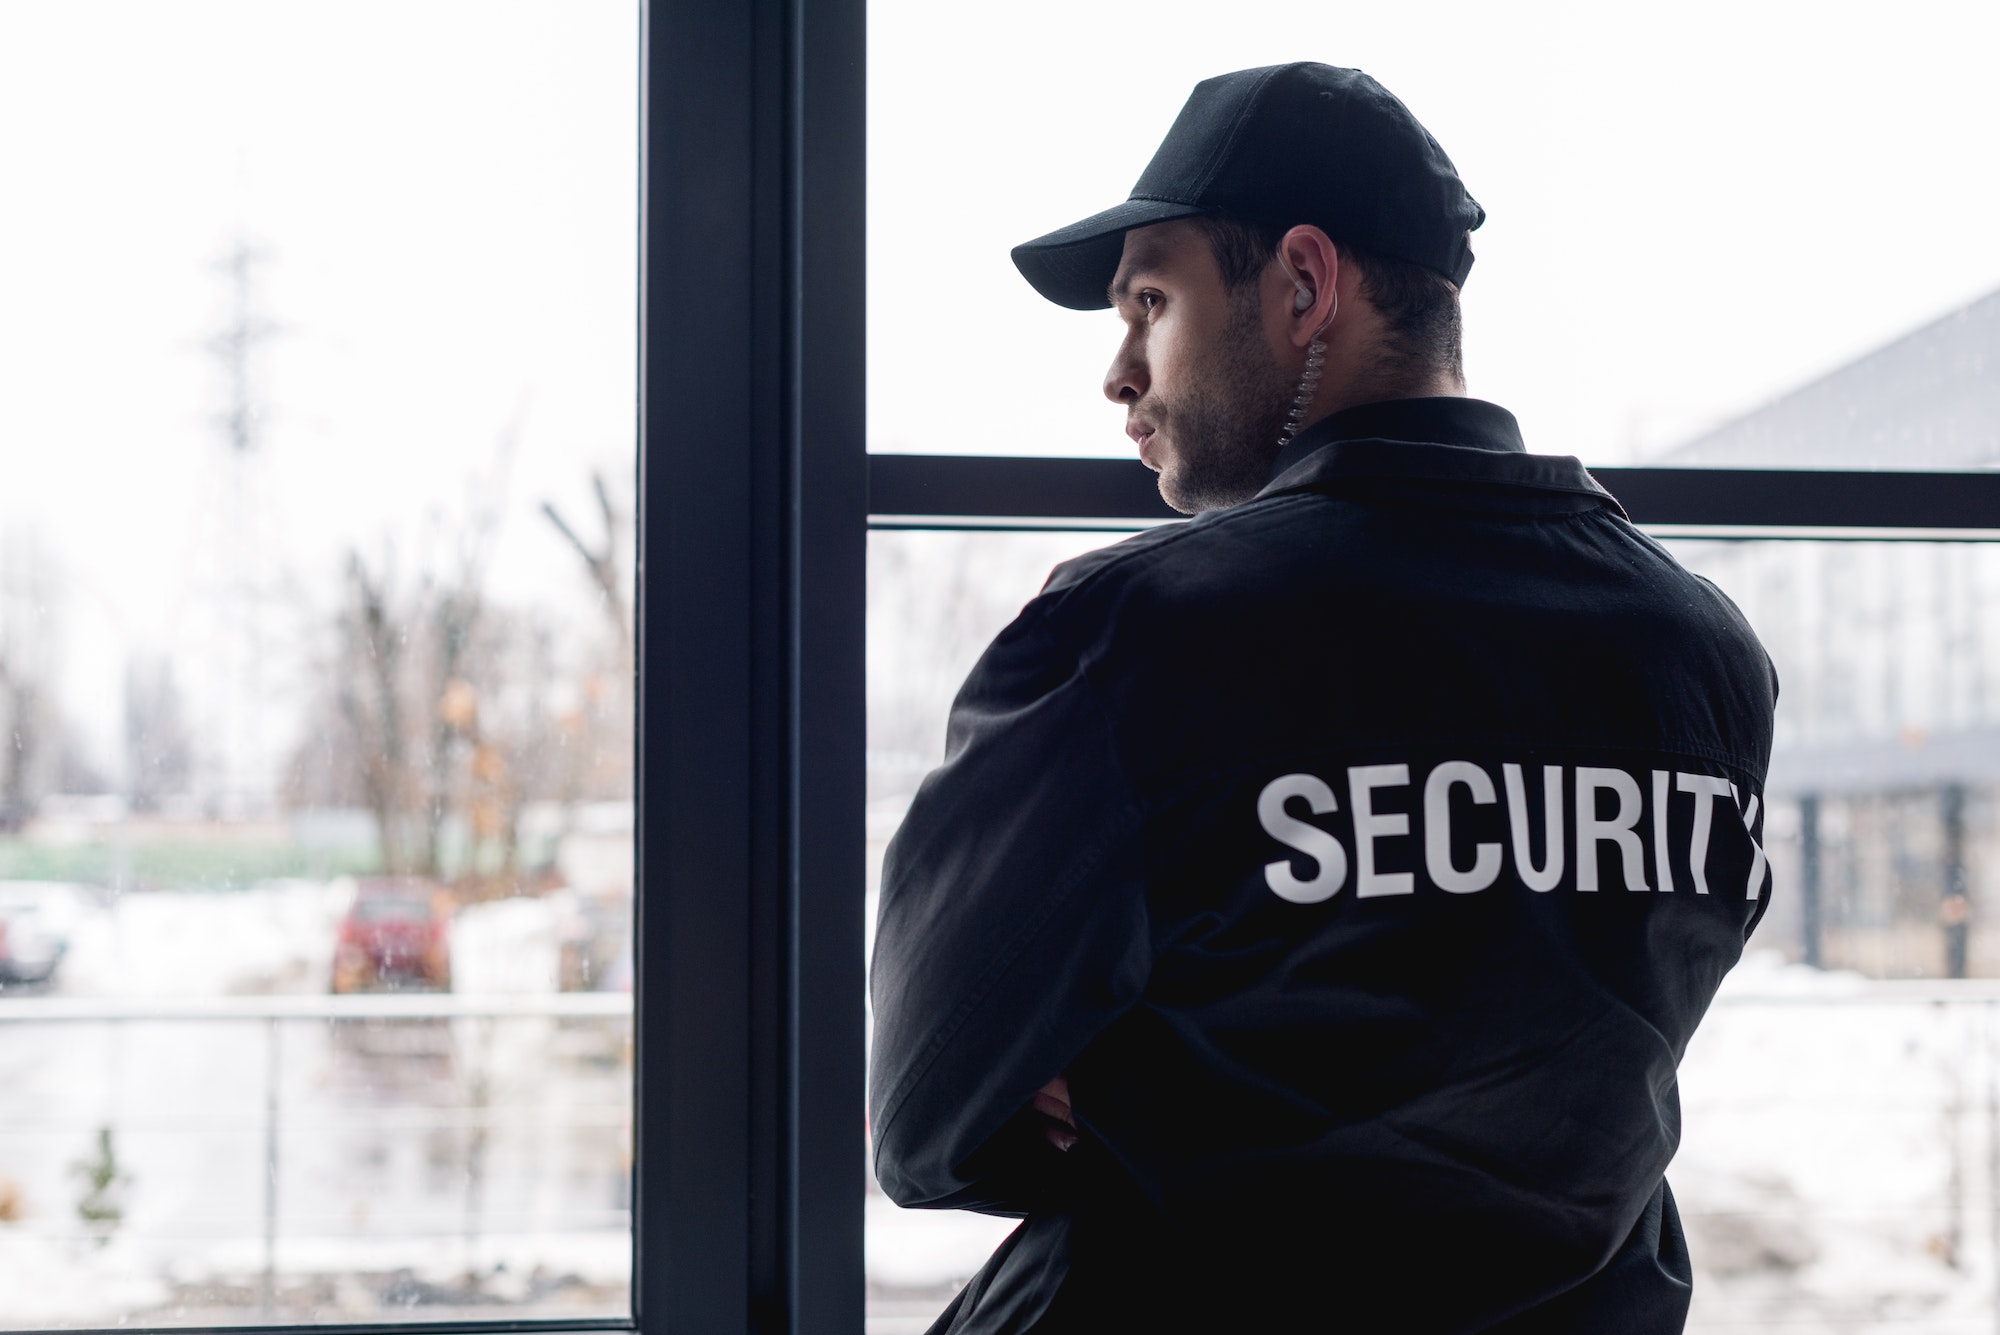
x: 395, y: 937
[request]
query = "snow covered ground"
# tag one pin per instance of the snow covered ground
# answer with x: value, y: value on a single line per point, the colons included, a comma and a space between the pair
x: 423, y: 1168
x: 1838, y: 1170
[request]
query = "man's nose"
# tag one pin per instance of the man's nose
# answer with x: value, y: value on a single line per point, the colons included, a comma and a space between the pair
x: 1126, y: 382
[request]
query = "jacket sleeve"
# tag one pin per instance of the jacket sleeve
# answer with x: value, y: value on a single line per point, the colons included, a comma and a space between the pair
x: 1012, y: 928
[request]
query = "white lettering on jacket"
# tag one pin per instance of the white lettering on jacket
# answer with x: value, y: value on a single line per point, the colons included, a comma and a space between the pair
x: 1370, y: 825
x: 1309, y: 839
x: 1437, y: 829
x: 1619, y: 830
x: 1546, y: 876
x: 1758, y: 862
x: 1663, y: 865
x: 1706, y: 788
x: 1373, y: 831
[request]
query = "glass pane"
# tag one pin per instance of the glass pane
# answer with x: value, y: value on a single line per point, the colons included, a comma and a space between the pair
x: 1689, y: 216
x: 1839, y: 1131
x: 1835, y: 1149
x: 934, y: 602
x: 315, y: 650
x: 1882, y: 826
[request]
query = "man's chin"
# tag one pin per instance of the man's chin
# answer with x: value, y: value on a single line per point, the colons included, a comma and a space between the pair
x: 1157, y: 455
x: 1179, y: 497
x: 1192, y: 491
x: 1205, y: 475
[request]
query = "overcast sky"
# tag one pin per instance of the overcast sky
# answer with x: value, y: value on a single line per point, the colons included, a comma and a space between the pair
x: 446, y: 196
x: 1693, y: 208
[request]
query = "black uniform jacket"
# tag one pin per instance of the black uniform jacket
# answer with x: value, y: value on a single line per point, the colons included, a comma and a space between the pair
x: 1366, y: 855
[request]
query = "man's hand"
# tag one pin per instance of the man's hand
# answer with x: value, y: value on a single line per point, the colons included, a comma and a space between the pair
x: 1058, y: 1122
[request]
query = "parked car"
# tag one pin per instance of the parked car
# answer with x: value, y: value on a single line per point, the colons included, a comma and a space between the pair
x: 32, y: 934
x: 395, y: 936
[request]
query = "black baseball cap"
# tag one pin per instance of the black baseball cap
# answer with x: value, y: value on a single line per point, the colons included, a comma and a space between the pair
x: 1287, y: 144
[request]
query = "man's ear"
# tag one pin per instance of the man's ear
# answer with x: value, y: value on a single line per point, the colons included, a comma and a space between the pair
x: 1311, y: 263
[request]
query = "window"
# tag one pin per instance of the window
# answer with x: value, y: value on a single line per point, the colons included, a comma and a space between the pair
x: 316, y: 580
x: 749, y: 774
x: 1644, y: 299
x: 435, y: 208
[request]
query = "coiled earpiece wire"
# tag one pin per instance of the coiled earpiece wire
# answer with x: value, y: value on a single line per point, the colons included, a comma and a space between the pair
x: 1315, y: 355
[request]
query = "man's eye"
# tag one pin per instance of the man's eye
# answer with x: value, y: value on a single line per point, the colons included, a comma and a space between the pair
x: 1149, y: 301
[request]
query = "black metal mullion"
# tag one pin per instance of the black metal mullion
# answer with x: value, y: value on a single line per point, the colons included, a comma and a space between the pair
x: 749, y: 1170
x: 829, y: 479
x: 693, y: 951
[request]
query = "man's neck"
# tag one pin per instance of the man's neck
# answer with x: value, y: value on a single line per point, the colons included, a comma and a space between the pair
x: 1381, y: 389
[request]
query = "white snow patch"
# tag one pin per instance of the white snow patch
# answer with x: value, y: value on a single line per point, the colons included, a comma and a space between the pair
x: 276, y: 936
x: 70, y: 1282
x: 508, y: 946
x: 1838, y: 1160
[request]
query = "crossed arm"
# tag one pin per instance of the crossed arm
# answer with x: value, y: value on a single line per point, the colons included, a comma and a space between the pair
x: 1013, y: 931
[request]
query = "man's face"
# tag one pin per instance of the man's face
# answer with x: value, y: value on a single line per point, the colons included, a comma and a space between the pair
x: 1199, y: 376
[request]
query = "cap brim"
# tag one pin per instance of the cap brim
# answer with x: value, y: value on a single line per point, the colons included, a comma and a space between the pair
x: 1074, y: 266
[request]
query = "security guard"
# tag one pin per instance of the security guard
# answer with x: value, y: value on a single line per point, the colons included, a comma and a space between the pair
x: 1317, y: 897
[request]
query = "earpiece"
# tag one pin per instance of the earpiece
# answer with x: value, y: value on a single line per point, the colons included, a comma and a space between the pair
x: 1304, y: 300
x: 1315, y: 354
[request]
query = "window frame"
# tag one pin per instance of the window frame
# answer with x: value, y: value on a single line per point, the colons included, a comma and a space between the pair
x: 756, y: 494
x: 748, y: 1126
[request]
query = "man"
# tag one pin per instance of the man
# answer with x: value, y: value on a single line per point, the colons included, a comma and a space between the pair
x: 1317, y: 897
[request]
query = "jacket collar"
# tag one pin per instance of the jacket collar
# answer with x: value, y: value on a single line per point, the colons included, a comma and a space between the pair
x: 1454, y: 440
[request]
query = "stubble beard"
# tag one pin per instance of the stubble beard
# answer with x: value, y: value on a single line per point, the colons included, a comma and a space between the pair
x: 1223, y: 429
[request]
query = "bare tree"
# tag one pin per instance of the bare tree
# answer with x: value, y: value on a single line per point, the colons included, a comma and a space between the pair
x: 23, y: 727
x: 598, y: 733
x: 159, y: 749
x: 444, y: 714
x: 605, y: 562
x: 369, y: 692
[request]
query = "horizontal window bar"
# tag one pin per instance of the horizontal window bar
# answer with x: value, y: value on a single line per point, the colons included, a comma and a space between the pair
x: 983, y: 491
x: 1017, y: 523
x: 967, y: 489
x: 1806, y: 498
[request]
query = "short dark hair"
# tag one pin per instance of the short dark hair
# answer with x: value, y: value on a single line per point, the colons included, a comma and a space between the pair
x: 1419, y: 306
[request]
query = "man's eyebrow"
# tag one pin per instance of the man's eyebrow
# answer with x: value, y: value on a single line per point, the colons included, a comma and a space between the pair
x: 1146, y: 266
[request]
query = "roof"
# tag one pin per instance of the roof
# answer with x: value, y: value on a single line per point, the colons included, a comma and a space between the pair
x: 1928, y: 400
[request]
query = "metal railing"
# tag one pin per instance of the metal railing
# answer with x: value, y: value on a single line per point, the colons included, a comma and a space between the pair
x: 273, y: 1009
x: 273, y: 1012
